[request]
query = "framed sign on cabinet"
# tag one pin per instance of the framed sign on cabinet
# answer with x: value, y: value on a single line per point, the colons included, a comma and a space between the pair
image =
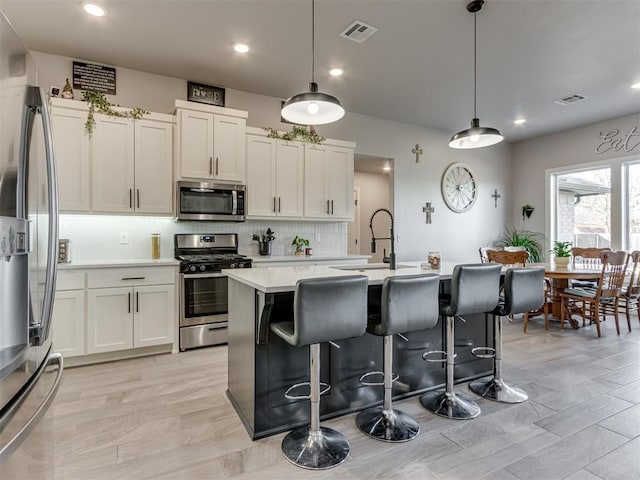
x: 198, y: 92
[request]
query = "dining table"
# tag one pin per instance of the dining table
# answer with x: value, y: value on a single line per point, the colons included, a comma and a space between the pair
x: 560, y: 276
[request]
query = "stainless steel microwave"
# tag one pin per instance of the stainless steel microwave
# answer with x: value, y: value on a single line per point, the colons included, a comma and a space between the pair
x: 210, y: 202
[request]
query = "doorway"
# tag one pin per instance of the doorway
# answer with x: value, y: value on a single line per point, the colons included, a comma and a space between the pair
x: 373, y: 189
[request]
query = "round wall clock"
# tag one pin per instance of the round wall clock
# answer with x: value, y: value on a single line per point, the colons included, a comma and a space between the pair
x: 459, y: 187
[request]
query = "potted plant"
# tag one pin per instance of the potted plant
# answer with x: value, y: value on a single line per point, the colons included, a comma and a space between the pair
x: 530, y: 241
x: 264, y: 241
x: 300, y: 244
x: 561, y: 252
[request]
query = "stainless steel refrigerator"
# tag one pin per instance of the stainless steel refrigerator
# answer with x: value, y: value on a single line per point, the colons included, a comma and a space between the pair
x: 28, y: 244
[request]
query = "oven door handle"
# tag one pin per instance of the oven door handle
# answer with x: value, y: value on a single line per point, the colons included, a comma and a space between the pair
x: 202, y: 275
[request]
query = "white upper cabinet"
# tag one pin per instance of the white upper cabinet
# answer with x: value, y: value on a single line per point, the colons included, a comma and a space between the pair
x: 153, y: 166
x: 72, y: 158
x: 274, y: 177
x: 112, y: 151
x: 126, y: 166
x: 328, y: 181
x: 210, y: 143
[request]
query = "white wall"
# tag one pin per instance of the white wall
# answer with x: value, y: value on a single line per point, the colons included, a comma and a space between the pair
x: 374, y: 194
x: 532, y: 158
x: 456, y: 236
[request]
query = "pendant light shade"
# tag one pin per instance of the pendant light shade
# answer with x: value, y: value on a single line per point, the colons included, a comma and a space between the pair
x: 476, y: 136
x: 312, y: 107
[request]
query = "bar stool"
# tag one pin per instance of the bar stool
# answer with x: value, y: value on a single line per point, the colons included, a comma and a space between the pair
x: 523, y: 292
x: 409, y: 303
x: 324, y: 309
x: 474, y: 289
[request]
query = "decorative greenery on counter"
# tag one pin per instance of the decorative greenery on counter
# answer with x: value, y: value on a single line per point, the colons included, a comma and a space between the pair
x: 300, y: 244
x: 98, y: 103
x: 296, y: 133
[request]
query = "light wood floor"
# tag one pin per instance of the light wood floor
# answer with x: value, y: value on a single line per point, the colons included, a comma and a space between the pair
x: 167, y: 417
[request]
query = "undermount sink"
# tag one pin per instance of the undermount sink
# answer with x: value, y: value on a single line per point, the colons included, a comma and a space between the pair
x: 370, y: 266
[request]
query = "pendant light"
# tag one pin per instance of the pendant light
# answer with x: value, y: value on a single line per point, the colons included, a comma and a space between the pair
x: 476, y: 136
x: 312, y: 107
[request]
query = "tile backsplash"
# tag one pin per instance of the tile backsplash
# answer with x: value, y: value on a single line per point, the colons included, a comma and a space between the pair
x: 98, y: 237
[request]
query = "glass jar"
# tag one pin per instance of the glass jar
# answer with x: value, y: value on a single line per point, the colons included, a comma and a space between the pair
x: 155, y: 246
x: 434, y: 260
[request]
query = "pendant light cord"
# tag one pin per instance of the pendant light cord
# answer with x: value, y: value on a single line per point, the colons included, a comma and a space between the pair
x: 475, y: 62
x: 313, y: 40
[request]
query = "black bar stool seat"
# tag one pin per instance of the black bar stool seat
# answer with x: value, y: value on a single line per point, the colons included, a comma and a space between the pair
x: 408, y: 303
x: 324, y: 309
x: 523, y: 292
x: 474, y: 289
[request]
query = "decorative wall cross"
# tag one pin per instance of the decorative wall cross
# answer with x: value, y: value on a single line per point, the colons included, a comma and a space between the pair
x: 495, y: 197
x: 417, y: 151
x: 428, y: 210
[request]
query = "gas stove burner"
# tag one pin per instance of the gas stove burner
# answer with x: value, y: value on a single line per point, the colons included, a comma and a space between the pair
x: 218, y: 257
x: 208, y: 253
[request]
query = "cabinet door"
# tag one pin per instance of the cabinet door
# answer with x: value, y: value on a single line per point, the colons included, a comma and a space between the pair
x: 68, y: 323
x: 153, y: 166
x: 229, y: 148
x: 154, y: 318
x: 72, y: 158
x: 196, y: 144
x: 112, y: 161
x: 261, y: 176
x: 289, y: 178
x: 339, y: 175
x: 315, y: 195
x: 109, y: 319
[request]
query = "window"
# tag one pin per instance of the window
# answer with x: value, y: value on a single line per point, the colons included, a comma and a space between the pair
x: 596, y: 205
x: 583, y: 209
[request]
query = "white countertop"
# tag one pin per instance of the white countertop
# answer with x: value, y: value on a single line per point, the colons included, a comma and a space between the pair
x: 304, y: 258
x: 283, y: 279
x: 141, y: 262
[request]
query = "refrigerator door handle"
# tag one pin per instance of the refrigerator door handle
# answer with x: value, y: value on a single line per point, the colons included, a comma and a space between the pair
x: 39, y: 103
x: 16, y: 441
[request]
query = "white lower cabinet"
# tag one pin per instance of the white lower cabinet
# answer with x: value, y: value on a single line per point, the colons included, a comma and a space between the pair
x: 67, y: 327
x: 123, y: 318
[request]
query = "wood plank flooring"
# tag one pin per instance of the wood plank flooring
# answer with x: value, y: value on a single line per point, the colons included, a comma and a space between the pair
x: 167, y: 417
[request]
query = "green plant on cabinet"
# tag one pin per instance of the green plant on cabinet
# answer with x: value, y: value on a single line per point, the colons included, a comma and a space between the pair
x: 98, y: 103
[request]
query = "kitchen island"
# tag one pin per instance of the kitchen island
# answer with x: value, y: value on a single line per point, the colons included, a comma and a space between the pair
x: 261, y: 366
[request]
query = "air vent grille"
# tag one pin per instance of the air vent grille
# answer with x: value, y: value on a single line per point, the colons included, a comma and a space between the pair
x: 571, y: 99
x: 358, y: 31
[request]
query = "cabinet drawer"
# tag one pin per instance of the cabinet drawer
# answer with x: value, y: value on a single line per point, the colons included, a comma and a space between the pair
x: 124, y: 277
x: 69, y: 280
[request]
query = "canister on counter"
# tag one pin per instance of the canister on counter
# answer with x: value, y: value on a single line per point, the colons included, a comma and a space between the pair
x: 434, y: 260
x: 155, y: 246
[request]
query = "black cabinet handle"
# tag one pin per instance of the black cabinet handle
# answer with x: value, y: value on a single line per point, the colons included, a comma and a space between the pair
x: 130, y: 198
x: 138, y: 197
x: 210, y: 165
x: 128, y: 302
x: 137, y: 302
x: 279, y: 205
x: 274, y: 204
x: 331, y: 207
x: 327, y: 207
x: 217, y: 162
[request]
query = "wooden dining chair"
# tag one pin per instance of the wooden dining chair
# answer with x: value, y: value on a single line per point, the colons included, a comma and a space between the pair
x: 588, y: 257
x: 604, y: 299
x: 516, y: 258
x: 630, y: 295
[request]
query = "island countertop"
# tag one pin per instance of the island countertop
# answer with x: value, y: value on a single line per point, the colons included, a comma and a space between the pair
x: 283, y: 279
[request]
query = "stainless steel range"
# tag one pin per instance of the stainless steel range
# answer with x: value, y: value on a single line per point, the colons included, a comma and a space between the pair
x: 203, y: 288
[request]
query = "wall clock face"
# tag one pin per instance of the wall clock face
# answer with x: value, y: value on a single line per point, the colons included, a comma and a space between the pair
x: 459, y: 187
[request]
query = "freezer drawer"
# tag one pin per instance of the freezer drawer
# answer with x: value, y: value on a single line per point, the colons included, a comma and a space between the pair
x: 203, y: 335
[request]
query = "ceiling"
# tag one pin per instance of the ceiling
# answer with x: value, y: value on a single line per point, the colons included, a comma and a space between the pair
x: 417, y: 68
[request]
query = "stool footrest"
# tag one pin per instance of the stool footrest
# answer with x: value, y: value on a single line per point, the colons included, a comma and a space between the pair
x: 288, y: 396
x: 491, y: 354
x: 425, y: 356
x: 394, y: 377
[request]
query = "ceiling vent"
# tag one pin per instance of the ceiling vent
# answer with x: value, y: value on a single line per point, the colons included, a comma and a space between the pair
x: 576, y: 97
x: 358, y: 31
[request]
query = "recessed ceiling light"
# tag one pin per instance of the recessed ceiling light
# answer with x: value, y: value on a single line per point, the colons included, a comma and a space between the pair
x: 336, y: 72
x: 519, y: 121
x: 94, y: 9
x: 241, y: 47
x: 636, y: 85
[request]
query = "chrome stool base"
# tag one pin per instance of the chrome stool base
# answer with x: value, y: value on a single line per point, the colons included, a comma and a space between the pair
x: 450, y: 405
x: 317, y: 450
x: 387, y: 425
x: 498, y: 391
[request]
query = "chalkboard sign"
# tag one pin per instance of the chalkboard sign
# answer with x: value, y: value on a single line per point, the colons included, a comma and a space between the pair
x: 88, y: 76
